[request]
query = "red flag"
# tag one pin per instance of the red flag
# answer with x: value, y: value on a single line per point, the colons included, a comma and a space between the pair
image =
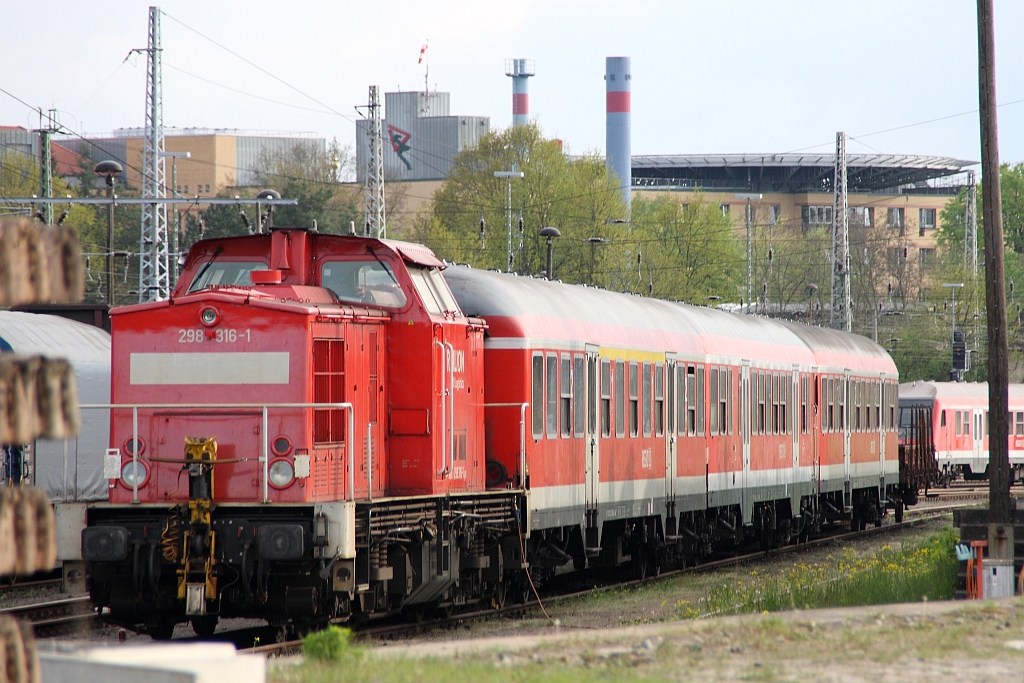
x: 423, y: 53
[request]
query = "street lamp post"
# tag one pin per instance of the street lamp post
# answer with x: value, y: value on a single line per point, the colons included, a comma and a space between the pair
x: 508, y: 176
x: 953, y: 286
x: 550, y: 233
x: 108, y: 169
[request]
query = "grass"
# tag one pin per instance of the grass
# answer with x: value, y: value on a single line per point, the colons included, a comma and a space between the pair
x: 924, y: 572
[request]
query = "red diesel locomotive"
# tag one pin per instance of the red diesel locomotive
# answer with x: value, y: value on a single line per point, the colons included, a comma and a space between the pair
x: 317, y: 427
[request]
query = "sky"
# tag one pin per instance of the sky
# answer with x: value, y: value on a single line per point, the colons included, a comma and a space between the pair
x: 729, y: 76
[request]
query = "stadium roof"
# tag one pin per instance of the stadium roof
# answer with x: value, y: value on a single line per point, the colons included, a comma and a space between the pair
x: 794, y: 173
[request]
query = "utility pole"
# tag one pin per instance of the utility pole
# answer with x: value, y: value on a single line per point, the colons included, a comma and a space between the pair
x: 154, y: 278
x: 375, y: 217
x: 971, y: 225
x: 508, y: 176
x: 750, y: 225
x: 841, y: 318
x: 999, y: 509
x: 46, y: 162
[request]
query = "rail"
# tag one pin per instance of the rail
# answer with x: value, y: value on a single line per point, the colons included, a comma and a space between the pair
x: 522, y: 435
x: 264, y: 446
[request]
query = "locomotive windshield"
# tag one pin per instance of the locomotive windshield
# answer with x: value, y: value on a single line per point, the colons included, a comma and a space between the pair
x: 225, y: 274
x: 366, y: 282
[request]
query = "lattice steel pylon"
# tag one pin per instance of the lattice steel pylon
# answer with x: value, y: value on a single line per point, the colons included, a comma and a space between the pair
x: 154, y: 276
x: 375, y: 217
x: 841, y: 318
x: 971, y: 225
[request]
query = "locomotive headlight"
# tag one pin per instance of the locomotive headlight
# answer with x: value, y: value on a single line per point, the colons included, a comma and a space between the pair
x: 281, y: 473
x: 208, y: 316
x: 134, y: 473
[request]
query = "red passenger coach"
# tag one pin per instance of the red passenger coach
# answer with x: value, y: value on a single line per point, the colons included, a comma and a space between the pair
x: 959, y: 423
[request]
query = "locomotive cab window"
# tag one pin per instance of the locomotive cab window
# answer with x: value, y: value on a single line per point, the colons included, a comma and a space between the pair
x: 225, y: 274
x: 365, y: 282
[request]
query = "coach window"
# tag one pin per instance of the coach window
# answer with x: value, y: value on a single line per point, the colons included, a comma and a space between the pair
x: 762, y: 402
x: 552, y: 396
x: 620, y: 398
x: 659, y: 400
x: 942, y: 419
x: 728, y: 404
x: 646, y: 388
x: 565, y: 394
x: 784, y: 402
x: 958, y: 423
x: 700, y: 401
x: 606, y: 398
x: 714, y: 401
x: 577, y: 396
x: 634, y: 399
x: 824, y: 405
x: 1019, y: 430
x: 691, y: 401
x: 538, y: 396
x: 967, y: 423
x: 803, y: 404
x: 775, y: 404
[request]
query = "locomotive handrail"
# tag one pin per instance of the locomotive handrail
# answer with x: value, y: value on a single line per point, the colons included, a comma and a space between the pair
x: 522, y: 434
x: 265, y: 446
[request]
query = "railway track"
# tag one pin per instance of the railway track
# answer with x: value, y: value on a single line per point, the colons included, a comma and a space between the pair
x: 9, y: 588
x: 391, y: 630
x: 54, y: 612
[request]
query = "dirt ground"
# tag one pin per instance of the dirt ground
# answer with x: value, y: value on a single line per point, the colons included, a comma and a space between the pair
x: 927, y: 642
x: 666, y: 600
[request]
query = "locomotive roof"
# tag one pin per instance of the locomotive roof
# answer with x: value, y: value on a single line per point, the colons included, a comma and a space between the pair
x: 930, y: 390
x: 539, y: 309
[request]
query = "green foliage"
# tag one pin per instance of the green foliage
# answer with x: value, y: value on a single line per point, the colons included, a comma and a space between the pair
x: 576, y: 195
x: 688, y: 252
x: 311, y: 176
x: 329, y: 645
x: 925, y: 572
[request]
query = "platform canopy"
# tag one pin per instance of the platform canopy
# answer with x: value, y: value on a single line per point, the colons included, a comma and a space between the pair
x: 798, y: 173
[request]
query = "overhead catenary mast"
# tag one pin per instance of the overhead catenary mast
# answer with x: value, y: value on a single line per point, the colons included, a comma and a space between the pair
x: 375, y: 216
x: 154, y: 277
x: 971, y: 225
x: 841, y: 315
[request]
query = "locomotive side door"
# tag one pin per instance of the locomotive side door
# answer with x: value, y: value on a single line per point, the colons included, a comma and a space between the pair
x: 596, y: 385
x: 746, y: 495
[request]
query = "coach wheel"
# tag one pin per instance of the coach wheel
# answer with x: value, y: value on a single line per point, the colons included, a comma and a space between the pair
x: 205, y: 626
x: 898, y: 512
x: 163, y: 629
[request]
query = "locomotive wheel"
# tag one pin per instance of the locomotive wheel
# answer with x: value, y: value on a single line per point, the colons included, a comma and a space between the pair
x: 163, y: 629
x: 499, y: 595
x: 205, y: 626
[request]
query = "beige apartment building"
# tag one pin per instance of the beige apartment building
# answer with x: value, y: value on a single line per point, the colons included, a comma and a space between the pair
x: 220, y: 159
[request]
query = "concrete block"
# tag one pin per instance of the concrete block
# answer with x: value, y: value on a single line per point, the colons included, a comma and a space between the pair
x: 163, y: 663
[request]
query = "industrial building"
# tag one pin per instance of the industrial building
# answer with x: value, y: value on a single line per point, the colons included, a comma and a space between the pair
x: 220, y: 158
x: 66, y: 162
x: 421, y: 136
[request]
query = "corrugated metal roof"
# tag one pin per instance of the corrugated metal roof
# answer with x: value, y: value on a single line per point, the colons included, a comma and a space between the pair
x: 800, y: 160
x: 54, y: 337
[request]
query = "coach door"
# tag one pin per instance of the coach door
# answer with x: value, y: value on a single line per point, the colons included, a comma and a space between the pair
x: 793, y: 424
x: 878, y: 416
x: 844, y: 426
x: 747, y: 500
x: 980, y: 456
x: 670, y: 435
x: 593, y: 442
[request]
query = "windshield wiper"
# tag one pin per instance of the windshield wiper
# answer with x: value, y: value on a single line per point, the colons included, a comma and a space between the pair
x: 206, y: 267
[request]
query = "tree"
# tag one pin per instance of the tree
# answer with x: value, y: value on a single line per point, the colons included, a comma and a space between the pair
x: 312, y: 176
x: 576, y: 195
x: 686, y: 252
